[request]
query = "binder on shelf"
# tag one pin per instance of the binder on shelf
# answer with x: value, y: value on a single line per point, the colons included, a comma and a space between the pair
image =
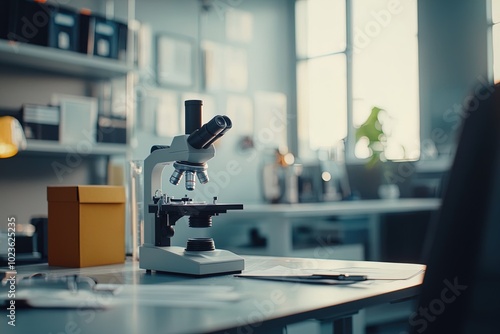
x: 122, y: 40
x: 40, y: 121
x: 7, y: 12
x: 112, y: 129
x: 102, y: 37
x: 39, y: 23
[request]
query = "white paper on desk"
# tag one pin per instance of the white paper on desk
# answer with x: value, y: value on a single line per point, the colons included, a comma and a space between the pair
x: 303, y: 279
x: 284, y: 274
x: 278, y: 271
x: 62, y: 298
x: 108, y: 295
x: 172, y: 295
x: 373, y: 273
x: 370, y: 272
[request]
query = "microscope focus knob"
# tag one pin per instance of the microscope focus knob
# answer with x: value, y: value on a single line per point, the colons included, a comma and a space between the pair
x: 200, y: 245
x: 170, y: 231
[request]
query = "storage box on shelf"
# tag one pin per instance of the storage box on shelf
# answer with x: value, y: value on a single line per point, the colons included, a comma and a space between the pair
x: 63, y: 27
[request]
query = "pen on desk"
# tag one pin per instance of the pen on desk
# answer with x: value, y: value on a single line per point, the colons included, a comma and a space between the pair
x: 341, y: 277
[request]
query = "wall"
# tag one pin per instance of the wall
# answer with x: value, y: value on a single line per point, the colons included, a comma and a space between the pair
x: 271, y: 67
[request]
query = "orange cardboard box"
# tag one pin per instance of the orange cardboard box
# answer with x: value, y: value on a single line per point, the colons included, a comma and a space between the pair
x: 86, y: 225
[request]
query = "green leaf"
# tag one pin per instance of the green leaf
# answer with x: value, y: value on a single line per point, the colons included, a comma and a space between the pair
x: 372, y: 129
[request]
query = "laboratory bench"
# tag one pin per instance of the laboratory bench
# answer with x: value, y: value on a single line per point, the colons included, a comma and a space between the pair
x: 279, y: 226
x: 154, y: 302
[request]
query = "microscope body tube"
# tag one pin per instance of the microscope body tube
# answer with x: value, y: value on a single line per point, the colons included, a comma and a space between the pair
x: 202, y: 136
x: 193, y: 116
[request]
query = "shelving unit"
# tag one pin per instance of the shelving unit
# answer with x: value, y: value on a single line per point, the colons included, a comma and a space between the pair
x: 33, y: 74
x: 56, y: 148
x: 66, y: 63
x: 60, y: 61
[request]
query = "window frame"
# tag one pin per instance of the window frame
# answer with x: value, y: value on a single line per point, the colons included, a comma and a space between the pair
x: 347, y: 52
x: 350, y: 139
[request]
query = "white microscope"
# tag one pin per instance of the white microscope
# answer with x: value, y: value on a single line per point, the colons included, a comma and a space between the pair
x: 189, y: 154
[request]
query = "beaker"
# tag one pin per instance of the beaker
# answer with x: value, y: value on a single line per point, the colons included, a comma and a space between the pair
x: 137, y: 205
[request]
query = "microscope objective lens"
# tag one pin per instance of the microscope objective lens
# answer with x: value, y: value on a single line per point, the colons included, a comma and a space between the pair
x: 190, y: 181
x: 202, y: 177
x: 176, y: 177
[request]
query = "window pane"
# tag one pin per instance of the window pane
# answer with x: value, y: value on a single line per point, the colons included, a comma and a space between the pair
x: 322, y: 101
x: 385, y: 71
x: 320, y: 27
x: 496, y: 52
x: 495, y: 11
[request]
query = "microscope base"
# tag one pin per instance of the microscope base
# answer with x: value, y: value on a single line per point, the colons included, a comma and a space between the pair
x: 177, y: 260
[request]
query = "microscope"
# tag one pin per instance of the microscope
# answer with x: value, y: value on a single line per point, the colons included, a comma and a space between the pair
x: 188, y: 153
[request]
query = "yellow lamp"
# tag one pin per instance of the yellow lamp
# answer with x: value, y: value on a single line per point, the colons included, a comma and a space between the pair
x: 11, y: 137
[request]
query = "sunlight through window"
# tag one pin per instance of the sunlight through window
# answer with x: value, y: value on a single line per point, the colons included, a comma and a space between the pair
x: 381, y: 58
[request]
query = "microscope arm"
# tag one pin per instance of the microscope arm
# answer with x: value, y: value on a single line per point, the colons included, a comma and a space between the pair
x: 154, y: 164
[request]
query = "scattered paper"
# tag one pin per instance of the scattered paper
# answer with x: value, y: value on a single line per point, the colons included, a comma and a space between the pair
x: 374, y: 273
x: 322, y: 276
x: 109, y: 295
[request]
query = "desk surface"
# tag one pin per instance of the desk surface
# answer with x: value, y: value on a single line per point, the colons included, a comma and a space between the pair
x: 263, y: 306
x: 361, y: 207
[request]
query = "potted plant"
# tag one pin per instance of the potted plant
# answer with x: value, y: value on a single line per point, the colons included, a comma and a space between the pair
x: 372, y: 131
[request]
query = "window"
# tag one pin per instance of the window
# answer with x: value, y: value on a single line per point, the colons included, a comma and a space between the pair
x: 353, y: 55
x: 321, y: 73
x: 495, y: 32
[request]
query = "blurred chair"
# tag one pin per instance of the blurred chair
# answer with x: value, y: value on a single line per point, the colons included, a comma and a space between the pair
x: 461, y: 290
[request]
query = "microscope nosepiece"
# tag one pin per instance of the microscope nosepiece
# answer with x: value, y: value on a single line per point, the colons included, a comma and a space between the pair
x: 189, y: 169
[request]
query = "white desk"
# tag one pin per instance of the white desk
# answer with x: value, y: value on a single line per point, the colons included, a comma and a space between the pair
x: 264, y: 306
x: 280, y: 217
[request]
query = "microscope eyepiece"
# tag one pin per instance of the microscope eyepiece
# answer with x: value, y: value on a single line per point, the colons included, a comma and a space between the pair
x: 229, y: 125
x: 207, y: 133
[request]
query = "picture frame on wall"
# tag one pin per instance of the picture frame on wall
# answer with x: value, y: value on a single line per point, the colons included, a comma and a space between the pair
x: 174, y: 60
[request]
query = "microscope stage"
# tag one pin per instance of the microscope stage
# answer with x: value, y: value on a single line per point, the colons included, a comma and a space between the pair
x: 195, y: 208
